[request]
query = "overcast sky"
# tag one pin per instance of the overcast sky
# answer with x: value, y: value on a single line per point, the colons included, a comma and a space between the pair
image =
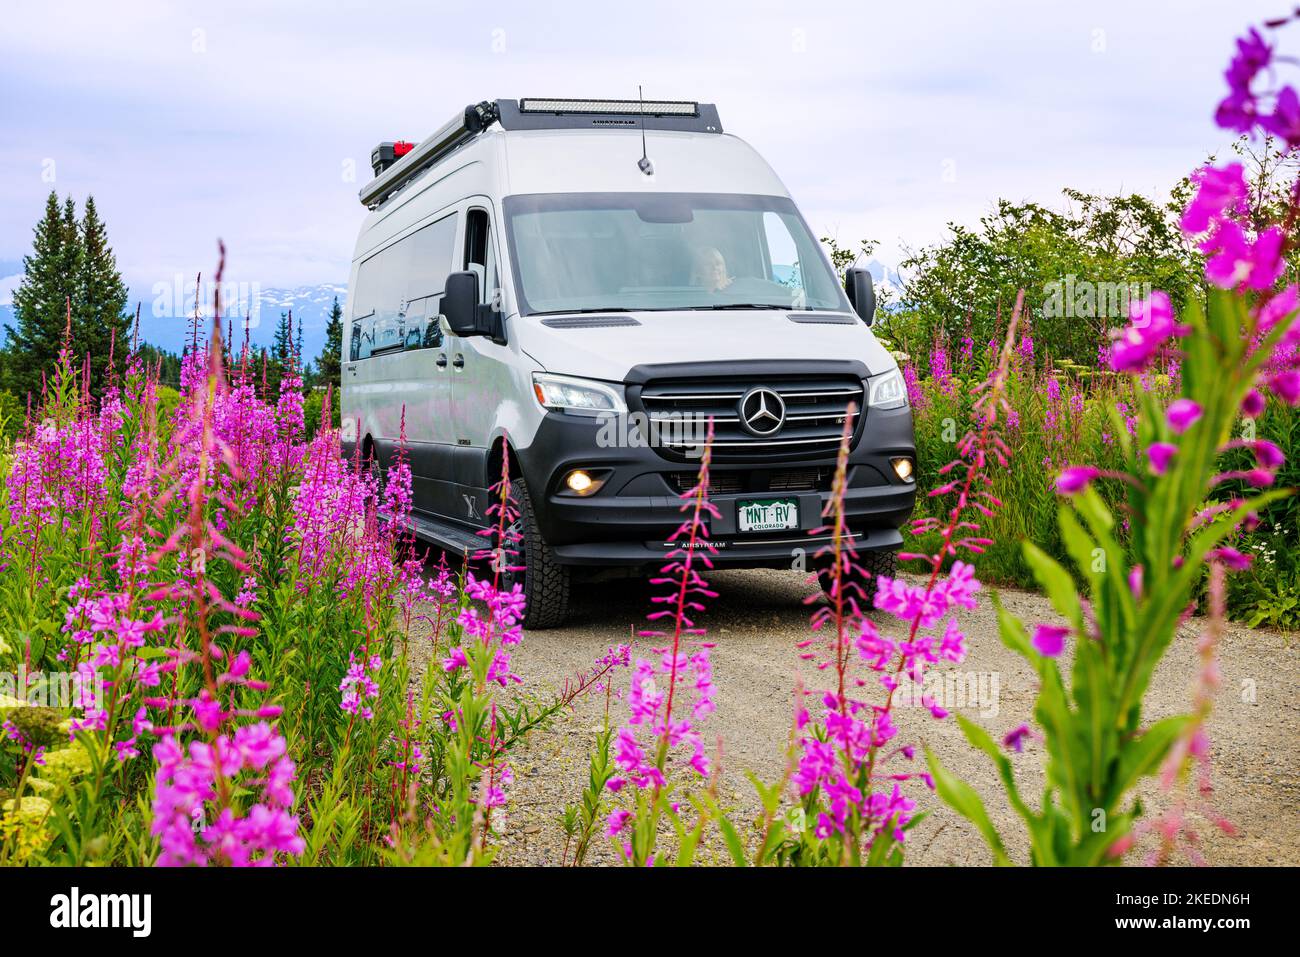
x: 189, y: 121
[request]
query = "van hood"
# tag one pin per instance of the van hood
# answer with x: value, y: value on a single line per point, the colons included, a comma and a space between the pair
x: 610, y: 351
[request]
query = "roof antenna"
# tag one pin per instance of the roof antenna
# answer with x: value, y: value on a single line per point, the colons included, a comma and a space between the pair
x: 643, y: 163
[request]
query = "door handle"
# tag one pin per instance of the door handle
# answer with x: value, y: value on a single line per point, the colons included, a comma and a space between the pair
x: 459, y: 361
x: 353, y: 368
x: 442, y: 360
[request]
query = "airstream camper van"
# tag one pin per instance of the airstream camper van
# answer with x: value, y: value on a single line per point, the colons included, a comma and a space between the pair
x: 598, y: 283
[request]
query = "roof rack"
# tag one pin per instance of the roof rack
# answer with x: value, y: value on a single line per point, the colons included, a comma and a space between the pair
x: 452, y: 135
x: 394, y: 169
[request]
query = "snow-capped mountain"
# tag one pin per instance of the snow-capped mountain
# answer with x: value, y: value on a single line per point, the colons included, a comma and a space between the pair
x: 168, y: 327
x: 165, y: 313
x: 887, y: 279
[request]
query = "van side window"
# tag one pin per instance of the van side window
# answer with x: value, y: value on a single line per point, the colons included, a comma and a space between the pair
x: 368, y: 290
x: 399, y: 290
x: 479, y: 252
x: 432, y: 257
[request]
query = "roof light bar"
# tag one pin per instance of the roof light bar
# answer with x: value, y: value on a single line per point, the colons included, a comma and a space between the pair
x: 634, y: 107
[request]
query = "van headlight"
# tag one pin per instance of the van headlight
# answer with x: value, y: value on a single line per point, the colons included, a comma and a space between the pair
x: 887, y: 391
x: 562, y: 393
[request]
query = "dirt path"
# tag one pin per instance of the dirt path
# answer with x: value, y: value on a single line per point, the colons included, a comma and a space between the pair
x: 756, y: 622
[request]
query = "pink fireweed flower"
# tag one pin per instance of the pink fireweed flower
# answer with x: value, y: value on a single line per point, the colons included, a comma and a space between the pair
x: 359, y: 685
x: 617, y: 821
x: 874, y: 648
x: 1252, y: 406
x: 906, y: 601
x: 1235, y: 262
x: 1151, y: 324
x: 187, y: 784
x: 1284, y: 121
x: 684, y: 674
x: 952, y: 645
x: 455, y: 660
x: 1286, y: 386
x: 1049, y: 640
x: 1219, y: 190
x: 1268, y: 455
x: 1232, y: 558
x: 1238, y: 111
x: 1015, y: 738
x: 1159, y: 455
x: 1281, y: 307
x: 1182, y: 415
x: 1075, y: 479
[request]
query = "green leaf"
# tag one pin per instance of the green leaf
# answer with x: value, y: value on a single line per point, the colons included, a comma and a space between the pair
x: 1143, y: 754
x: 734, y: 844
x: 1057, y: 583
x: 1012, y: 631
x: 982, y: 740
x: 961, y: 797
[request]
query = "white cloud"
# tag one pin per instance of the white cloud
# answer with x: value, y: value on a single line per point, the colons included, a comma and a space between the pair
x: 7, y: 286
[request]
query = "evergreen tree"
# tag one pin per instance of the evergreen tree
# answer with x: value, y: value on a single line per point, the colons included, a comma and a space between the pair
x: 99, y: 318
x: 328, y: 365
x: 281, y: 354
x: 282, y: 347
x: 50, y: 279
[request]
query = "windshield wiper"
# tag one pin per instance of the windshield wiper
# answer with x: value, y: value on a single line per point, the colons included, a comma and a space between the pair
x: 575, y: 312
x: 741, y: 305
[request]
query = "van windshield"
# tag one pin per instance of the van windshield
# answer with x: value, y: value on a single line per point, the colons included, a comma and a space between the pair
x: 599, y: 252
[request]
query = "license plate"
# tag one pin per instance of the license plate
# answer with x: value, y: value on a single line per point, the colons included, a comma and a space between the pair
x: 768, y: 514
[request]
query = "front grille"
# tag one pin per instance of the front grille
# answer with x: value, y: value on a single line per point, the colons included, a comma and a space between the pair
x: 720, y: 483
x: 806, y: 480
x: 815, y: 407
x: 733, y: 481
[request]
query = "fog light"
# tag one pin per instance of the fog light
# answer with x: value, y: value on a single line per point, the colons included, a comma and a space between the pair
x: 582, y: 482
x: 902, y: 468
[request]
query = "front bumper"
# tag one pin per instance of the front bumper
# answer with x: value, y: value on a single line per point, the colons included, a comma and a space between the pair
x: 628, y: 521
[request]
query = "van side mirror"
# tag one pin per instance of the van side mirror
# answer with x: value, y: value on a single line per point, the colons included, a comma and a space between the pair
x: 460, y: 302
x: 466, y: 316
x: 862, y: 293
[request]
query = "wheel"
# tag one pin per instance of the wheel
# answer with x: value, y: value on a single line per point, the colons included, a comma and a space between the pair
x: 859, y: 588
x: 545, y: 582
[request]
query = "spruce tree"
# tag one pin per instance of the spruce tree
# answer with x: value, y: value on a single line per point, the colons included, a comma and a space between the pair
x: 281, y: 354
x: 40, y: 301
x: 99, y: 317
x: 328, y: 365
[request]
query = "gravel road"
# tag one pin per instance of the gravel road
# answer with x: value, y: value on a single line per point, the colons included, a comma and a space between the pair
x: 756, y: 622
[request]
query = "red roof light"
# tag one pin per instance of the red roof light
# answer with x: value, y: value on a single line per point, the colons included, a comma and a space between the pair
x: 401, y: 148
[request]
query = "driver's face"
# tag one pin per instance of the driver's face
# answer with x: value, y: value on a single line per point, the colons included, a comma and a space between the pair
x: 713, y: 272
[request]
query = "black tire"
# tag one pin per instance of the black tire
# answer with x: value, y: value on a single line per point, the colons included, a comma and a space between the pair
x: 861, y: 587
x: 545, y: 581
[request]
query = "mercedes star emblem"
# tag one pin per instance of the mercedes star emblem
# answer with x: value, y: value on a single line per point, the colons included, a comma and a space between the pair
x: 762, y: 411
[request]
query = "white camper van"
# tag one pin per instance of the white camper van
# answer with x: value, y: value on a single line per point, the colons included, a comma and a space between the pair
x: 593, y: 282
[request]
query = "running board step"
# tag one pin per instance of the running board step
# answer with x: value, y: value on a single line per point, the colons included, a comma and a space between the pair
x: 449, y: 537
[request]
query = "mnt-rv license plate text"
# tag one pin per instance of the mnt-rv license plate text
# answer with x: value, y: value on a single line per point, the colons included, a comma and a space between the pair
x: 768, y: 514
